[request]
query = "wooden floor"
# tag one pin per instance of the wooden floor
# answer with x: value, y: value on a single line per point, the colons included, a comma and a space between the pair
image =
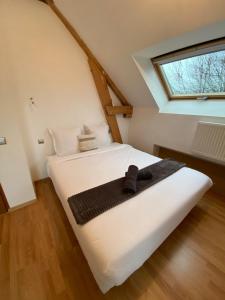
x: 40, y: 257
x: 2, y: 207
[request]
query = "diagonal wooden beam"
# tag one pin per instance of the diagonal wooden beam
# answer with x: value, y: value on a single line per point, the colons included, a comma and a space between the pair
x: 103, y: 92
x: 88, y: 52
x: 102, y: 81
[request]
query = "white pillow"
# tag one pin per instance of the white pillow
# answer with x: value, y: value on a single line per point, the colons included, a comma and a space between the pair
x: 101, y: 131
x: 87, y: 142
x: 65, y: 141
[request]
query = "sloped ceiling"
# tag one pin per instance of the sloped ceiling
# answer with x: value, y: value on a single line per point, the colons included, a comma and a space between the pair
x: 114, y: 30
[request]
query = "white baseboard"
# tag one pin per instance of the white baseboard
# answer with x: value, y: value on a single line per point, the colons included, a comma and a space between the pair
x: 12, y: 209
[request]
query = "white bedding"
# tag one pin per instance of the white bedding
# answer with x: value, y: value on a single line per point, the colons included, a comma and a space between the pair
x: 119, y: 241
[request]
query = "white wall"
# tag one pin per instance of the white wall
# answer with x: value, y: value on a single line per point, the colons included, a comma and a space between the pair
x: 148, y: 127
x: 51, y: 68
x: 14, y: 172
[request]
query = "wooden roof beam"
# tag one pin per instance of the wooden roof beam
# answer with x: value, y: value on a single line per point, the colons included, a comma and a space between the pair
x: 102, y: 81
x: 106, y: 101
x: 88, y: 52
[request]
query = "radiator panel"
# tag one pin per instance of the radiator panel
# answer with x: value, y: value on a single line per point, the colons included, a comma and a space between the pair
x: 209, y: 141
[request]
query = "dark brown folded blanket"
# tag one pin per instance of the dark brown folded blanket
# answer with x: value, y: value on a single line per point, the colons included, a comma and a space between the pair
x: 91, y: 203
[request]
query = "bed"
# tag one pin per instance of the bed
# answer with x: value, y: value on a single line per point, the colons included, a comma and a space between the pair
x: 119, y: 241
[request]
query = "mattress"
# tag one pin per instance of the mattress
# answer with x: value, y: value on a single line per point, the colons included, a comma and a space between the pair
x: 119, y: 241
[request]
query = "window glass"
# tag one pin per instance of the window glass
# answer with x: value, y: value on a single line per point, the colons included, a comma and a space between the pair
x: 198, y: 75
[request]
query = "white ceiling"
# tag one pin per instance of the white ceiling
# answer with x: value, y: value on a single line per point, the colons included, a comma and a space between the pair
x: 114, y: 30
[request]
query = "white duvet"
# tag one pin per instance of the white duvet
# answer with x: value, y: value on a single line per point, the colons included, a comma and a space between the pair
x: 119, y: 241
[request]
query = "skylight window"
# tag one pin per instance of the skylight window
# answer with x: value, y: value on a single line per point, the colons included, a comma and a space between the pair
x: 196, y: 73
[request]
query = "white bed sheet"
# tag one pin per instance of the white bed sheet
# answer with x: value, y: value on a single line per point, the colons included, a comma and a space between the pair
x: 120, y: 240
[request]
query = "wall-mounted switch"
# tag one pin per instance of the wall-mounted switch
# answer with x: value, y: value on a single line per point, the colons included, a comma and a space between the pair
x: 41, y: 141
x: 3, y: 141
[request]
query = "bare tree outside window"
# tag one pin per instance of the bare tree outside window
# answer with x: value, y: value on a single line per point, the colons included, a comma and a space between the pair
x: 203, y: 74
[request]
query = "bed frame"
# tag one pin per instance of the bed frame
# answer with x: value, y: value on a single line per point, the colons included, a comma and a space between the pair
x: 214, y: 170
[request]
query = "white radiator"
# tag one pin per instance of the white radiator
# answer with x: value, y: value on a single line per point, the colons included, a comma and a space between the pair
x: 209, y: 141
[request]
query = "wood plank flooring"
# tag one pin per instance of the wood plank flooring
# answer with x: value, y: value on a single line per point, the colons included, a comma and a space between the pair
x: 40, y: 258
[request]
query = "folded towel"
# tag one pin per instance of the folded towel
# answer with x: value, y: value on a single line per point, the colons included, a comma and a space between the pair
x: 144, y: 175
x: 130, y: 181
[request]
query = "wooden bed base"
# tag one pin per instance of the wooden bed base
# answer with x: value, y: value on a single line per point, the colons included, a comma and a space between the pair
x: 214, y: 170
